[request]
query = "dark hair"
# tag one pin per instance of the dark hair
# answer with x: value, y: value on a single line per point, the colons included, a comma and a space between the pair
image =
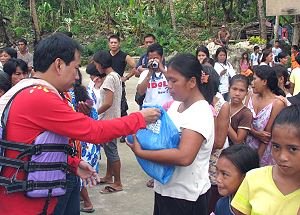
x: 221, y: 49
x: 241, y: 78
x: 276, y: 41
x: 295, y: 47
x: 281, y: 71
x: 103, y: 58
x: 67, y: 33
x: 282, y: 55
x: 290, y: 116
x: 256, y: 47
x: 268, y: 46
x: 5, y: 83
x: 189, y: 66
x: 298, y: 58
x: 242, y: 156
x: 265, y: 54
x: 55, y: 46
x: 149, y: 35
x: 10, y: 51
x: 245, y: 53
x: 80, y: 92
x: 155, y: 48
x: 214, y: 77
x: 114, y: 36
x: 11, y: 65
x: 22, y: 40
x: 92, y: 70
x: 203, y: 49
x: 267, y: 73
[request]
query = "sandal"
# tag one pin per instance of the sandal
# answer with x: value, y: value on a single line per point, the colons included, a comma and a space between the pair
x: 87, y: 210
x: 110, y: 189
x: 150, y: 183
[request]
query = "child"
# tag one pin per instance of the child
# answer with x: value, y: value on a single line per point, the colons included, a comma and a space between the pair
x: 240, y: 115
x: 202, y: 54
x: 275, y: 189
x: 244, y: 63
x: 187, y: 191
x: 225, y: 70
x: 254, y: 57
x: 232, y: 166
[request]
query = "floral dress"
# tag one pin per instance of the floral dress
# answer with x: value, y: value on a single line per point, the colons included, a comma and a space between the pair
x: 260, y: 121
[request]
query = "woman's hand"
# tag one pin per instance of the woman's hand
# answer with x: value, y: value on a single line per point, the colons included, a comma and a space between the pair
x: 263, y: 136
x: 88, y: 175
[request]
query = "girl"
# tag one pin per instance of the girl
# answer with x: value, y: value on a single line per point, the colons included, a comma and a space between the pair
x: 6, y: 54
x: 17, y: 69
x: 225, y: 70
x: 275, y: 189
x: 267, y: 58
x: 232, y: 166
x: 283, y: 79
x: 264, y: 105
x: 186, y: 192
x: 244, y: 63
x: 202, y: 54
x: 240, y: 115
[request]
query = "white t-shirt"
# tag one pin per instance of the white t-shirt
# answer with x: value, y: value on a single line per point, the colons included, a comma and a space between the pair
x: 254, y: 58
x: 276, y: 51
x: 224, y: 79
x: 191, y: 181
x: 157, y: 90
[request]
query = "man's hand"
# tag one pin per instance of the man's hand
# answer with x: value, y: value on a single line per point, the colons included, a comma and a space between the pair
x: 150, y: 114
x: 84, y: 107
x: 88, y: 175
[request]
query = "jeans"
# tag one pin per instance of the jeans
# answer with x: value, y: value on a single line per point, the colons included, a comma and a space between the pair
x: 69, y: 204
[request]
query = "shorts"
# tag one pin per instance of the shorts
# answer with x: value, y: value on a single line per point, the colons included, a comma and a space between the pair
x: 111, y: 151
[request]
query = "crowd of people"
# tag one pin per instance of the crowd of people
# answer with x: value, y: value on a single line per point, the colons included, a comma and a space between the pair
x: 239, y: 149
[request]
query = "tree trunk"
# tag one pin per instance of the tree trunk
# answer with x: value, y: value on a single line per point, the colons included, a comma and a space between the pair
x: 296, y: 36
x: 276, y: 26
x: 3, y: 27
x: 172, y: 12
x: 35, y: 22
x: 262, y: 19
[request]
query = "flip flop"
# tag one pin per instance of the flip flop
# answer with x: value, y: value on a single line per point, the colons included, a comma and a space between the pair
x: 105, y: 182
x: 150, y: 183
x: 87, y: 210
x: 110, y: 189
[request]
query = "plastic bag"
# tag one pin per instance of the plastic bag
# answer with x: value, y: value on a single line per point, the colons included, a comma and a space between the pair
x: 162, y: 134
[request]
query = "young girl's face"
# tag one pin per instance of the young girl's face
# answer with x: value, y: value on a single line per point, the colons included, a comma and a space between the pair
x: 18, y: 76
x: 221, y: 57
x: 179, y: 86
x: 269, y: 58
x: 286, y: 149
x: 245, y: 56
x: 238, y: 91
x: 4, y: 57
x: 201, y: 56
x: 229, y: 177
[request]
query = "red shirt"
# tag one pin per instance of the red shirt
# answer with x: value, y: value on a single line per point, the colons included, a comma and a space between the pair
x: 35, y: 110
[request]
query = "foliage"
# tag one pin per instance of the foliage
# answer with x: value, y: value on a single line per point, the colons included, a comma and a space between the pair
x: 257, y: 40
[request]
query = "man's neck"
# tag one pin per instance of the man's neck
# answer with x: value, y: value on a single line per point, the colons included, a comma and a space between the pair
x: 113, y: 53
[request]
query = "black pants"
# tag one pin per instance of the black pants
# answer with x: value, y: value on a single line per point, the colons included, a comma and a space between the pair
x: 124, y: 105
x: 164, y: 205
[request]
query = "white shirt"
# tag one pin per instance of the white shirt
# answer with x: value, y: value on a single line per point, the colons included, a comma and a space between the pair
x: 191, y: 181
x: 276, y: 51
x: 254, y: 59
x: 224, y: 79
x: 157, y: 92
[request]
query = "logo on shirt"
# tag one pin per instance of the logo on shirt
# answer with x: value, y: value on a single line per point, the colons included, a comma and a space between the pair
x: 155, y: 127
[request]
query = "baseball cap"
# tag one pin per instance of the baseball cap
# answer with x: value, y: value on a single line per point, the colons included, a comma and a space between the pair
x: 223, y: 26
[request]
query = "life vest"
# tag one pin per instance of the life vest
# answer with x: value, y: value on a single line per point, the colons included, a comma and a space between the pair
x: 47, y: 166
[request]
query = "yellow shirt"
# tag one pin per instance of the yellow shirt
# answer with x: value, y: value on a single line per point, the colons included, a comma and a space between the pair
x: 294, y: 63
x: 295, y: 79
x: 258, y: 195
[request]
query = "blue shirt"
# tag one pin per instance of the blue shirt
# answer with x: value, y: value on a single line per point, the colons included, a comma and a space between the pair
x: 223, y: 206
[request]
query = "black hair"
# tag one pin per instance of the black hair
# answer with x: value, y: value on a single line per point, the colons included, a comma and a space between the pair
x: 11, y: 65
x: 282, y: 55
x: 241, y: 78
x: 67, y: 33
x: 203, y: 49
x: 245, y: 53
x: 281, y: 71
x: 267, y: 73
x: 290, y: 116
x: 297, y: 58
x: 256, y: 47
x: 155, y: 48
x: 22, y: 40
x: 242, y: 156
x: 103, y: 58
x: 189, y: 66
x: 80, y: 91
x: 92, y: 70
x: 221, y: 49
x: 5, y: 83
x: 214, y: 77
x: 295, y: 47
x: 149, y: 35
x: 268, y: 46
x: 276, y: 41
x: 265, y: 54
x: 55, y: 46
x: 114, y: 36
x: 10, y: 51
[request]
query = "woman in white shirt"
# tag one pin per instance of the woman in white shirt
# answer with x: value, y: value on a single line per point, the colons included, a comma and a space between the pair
x: 186, y: 192
x: 225, y: 70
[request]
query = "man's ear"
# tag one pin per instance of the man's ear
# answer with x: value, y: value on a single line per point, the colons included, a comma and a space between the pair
x: 57, y: 65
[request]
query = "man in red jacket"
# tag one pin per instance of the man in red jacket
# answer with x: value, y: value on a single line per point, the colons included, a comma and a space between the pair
x: 41, y: 108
